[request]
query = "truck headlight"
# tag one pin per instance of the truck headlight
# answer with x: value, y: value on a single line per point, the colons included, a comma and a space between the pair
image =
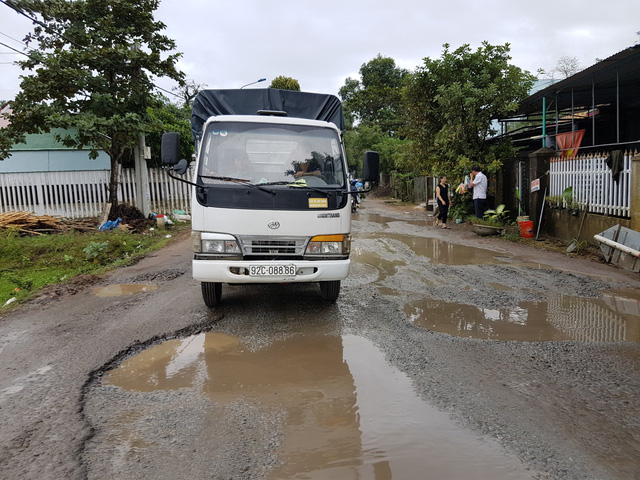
x: 220, y: 246
x: 329, y: 245
x: 214, y: 243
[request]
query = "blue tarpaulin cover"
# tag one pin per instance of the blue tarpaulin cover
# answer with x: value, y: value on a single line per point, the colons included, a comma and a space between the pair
x: 314, y: 106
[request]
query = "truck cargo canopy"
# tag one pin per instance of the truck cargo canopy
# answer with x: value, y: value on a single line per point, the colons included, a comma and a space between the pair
x: 313, y: 106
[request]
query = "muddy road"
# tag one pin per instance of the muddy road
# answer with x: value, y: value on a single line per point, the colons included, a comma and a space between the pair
x: 446, y: 356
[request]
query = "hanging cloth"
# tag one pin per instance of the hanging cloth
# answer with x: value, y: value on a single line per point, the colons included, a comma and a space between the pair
x: 615, y: 161
x: 569, y: 143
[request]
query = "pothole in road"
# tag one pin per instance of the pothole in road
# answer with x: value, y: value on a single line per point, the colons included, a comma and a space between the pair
x: 383, y: 219
x: 613, y: 317
x: 438, y: 251
x: 120, y: 289
x: 348, y: 413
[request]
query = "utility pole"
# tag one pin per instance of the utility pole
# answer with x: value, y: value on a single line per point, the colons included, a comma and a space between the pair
x: 143, y: 202
x: 141, y: 173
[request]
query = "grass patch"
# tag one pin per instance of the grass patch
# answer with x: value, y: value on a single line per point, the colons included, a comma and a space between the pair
x: 28, y: 264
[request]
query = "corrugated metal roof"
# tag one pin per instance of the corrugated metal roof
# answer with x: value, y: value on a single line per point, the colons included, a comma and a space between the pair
x: 621, y: 69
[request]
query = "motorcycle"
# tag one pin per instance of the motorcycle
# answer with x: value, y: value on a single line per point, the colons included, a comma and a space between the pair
x: 355, y: 197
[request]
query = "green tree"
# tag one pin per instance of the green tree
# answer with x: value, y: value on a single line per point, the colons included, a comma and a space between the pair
x: 376, y: 99
x: 451, y: 103
x: 285, y: 83
x: 373, y: 113
x: 93, y: 71
x: 392, y: 150
x: 169, y: 117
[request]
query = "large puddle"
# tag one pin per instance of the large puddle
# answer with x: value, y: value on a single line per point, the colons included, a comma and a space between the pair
x: 611, y: 318
x: 438, y: 251
x: 348, y: 413
x: 615, y: 316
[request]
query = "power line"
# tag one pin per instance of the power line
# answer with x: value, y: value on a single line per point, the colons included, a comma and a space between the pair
x: 14, y: 39
x: 49, y: 30
x: 14, y: 49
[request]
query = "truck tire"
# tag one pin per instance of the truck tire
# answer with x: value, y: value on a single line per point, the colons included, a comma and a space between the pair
x: 211, y: 293
x: 330, y: 290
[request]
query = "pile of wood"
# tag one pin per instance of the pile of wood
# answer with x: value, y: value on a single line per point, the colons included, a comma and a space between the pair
x: 28, y: 223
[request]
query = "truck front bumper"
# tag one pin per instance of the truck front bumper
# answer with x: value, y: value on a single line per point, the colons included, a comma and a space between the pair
x: 230, y: 271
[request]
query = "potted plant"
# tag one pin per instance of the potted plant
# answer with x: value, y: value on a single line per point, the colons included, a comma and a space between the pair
x: 575, y: 208
x: 493, y: 221
x: 567, y: 197
x: 551, y: 201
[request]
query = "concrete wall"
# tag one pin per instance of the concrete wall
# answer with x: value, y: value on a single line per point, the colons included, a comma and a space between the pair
x: 564, y: 225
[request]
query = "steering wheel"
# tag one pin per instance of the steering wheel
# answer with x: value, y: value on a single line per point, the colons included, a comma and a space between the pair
x: 314, y: 180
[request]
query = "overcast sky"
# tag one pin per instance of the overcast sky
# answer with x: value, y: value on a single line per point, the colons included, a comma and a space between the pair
x: 321, y: 43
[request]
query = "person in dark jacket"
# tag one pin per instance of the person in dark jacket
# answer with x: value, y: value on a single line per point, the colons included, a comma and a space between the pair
x: 443, y: 197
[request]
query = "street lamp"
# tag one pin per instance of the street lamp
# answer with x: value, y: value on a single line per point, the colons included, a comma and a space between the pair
x: 257, y: 81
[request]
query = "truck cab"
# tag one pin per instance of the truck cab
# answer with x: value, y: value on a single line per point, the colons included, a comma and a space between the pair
x: 271, y: 201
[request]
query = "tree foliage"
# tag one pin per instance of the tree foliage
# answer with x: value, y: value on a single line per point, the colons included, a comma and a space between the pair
x: 169, y: 117
x: 376, y: 99
x: 451, y: 103
x: 373, y: 113
x: 392, y: 150
x: 93, y: 68
x: 285, y: 83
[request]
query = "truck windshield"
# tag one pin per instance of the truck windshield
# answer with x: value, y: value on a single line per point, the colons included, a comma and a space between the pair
x: 271, y: 154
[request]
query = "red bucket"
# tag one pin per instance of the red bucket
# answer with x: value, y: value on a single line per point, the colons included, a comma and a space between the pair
x: 526, y: 229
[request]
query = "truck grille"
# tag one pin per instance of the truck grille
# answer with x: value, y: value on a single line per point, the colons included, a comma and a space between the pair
x: 273, y: 245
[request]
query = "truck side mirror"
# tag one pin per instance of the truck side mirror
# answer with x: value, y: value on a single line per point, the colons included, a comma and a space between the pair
x: 371, y: 166
x: 181, y: 167
x: 170, y: 148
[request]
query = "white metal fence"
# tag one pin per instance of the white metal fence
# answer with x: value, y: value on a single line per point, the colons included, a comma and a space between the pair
x: 592, y: 183
x: 82, y: 194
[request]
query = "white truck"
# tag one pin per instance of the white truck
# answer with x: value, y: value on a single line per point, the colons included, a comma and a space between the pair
x: 271, y: 201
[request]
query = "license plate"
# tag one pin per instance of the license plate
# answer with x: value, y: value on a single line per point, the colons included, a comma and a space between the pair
x: 272, y: 270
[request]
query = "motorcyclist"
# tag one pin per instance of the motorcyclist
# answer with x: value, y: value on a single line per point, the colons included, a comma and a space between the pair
x: 355, y: 202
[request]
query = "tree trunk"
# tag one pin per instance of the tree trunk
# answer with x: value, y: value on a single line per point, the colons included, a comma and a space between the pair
x: 113, y: 182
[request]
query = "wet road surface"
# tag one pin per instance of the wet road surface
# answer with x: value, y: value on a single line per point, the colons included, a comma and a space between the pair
x: 445, y: 354
x: 348, y: 414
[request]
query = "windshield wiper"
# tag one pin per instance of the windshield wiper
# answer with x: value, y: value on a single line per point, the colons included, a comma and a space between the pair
x: 298, y: 184
x: 239, y: 181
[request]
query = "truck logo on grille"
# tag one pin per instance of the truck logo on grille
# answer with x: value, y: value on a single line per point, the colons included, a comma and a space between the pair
x: 273, y: 224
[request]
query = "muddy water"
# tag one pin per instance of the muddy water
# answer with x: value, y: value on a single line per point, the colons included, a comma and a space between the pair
x: 348, y: 413
x: 615, y: 316
x: 120, y: 289
x: 611, y: 318
x: 438, y: 251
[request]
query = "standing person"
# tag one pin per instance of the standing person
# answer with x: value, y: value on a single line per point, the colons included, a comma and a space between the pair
x: 479, y: 184
x: 443, y: 197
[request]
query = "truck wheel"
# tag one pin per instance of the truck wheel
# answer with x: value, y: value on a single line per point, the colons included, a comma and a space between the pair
x: 211, y: 293
x: 330, y: 290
